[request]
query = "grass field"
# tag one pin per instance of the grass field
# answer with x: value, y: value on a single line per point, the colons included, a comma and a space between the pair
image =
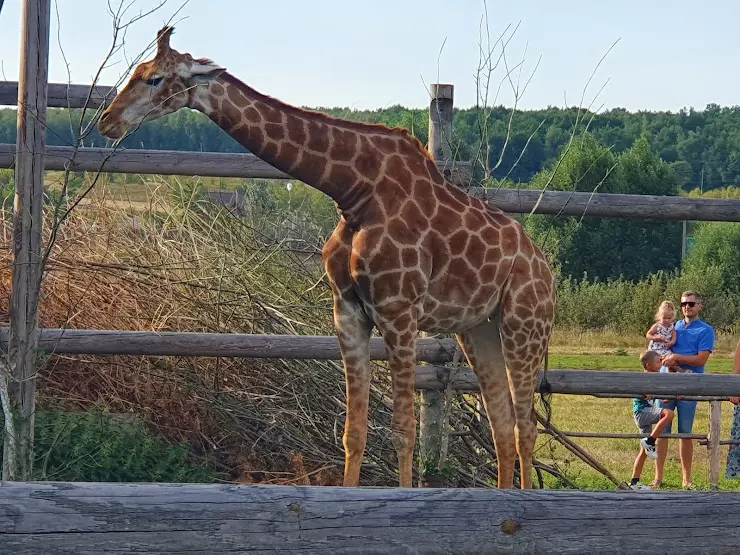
x: 591, y: 414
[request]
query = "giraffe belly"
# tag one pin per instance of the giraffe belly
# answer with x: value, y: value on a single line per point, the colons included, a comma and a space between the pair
x: 454, y: 316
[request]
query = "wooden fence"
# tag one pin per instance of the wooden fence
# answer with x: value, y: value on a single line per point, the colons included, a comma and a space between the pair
x: 430, y: 378
x: 310, y: 520
x: 79, y: 518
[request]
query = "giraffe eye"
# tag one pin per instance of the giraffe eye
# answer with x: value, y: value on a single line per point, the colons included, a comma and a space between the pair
x: 154, y: 81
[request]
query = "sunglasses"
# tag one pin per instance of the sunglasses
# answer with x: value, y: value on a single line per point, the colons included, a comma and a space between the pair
x: 690, y: 304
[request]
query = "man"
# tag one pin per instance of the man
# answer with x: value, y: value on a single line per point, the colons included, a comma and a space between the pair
x: 694, y: 344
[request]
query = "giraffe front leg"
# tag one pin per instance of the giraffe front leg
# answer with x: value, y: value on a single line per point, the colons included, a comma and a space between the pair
x: 353, y: 330
x: 400, y: 340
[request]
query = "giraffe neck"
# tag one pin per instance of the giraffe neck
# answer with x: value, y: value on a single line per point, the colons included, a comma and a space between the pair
x: 345, y: 160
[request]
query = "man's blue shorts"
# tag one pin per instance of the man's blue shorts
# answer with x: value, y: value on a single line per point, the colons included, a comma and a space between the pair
x: 686, y: 410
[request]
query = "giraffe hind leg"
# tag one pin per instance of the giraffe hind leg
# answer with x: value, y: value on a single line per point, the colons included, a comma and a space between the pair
x: 482, y: 347
x: 524, y: 347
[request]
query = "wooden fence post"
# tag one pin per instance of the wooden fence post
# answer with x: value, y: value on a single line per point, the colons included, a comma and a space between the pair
x: 432, y: 401
x: 27, y: 238
x: 713, y: 444
x: 440, y: 122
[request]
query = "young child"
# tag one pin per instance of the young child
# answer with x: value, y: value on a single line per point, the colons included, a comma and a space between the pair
x: 662, y: 334
x: 645, y: 416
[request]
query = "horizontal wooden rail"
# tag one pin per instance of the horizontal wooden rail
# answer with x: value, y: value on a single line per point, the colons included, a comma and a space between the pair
x: 611, y: 205
x: 114, y: 342
x: 574, y: 382
x: 62, y: 95
x: 702, y: 439
x: 614, y: 435
x: 603, y: 205
x: 595, y: 382
x: 159, y: 518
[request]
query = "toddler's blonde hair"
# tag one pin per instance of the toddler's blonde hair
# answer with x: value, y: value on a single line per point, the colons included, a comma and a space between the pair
x: 665, y: 305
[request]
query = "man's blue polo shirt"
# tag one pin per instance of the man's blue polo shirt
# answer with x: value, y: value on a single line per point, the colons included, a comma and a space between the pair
x: 697, y: 336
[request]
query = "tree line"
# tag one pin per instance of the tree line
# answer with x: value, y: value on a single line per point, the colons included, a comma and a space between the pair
x: 701, y: 146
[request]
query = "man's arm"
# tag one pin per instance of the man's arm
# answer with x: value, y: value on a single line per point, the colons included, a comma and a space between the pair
x: 691, y: 360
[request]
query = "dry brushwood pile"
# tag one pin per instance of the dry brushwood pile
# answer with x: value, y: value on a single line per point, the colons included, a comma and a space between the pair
x: 198, y: 268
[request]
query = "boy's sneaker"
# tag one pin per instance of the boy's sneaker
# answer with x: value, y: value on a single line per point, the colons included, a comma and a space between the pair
x: 650, y: 450
x: 640, y: 487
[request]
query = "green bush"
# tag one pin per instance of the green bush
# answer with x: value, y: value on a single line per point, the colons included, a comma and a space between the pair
x: 101, y: 447
x: 624, y: 306
x: 717, y: 246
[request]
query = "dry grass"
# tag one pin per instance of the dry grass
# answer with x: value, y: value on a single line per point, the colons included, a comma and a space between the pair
x: 194, y: 267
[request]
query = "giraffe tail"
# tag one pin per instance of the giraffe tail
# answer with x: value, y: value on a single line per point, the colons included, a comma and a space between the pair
x: 545, y: 395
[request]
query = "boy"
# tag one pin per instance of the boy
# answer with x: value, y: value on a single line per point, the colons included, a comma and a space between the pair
x: 645, y: 416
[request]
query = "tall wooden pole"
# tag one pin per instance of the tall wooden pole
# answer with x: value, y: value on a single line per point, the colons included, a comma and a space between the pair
x: 27, y: 228
x: 432, y: 401
x: 440, y: 122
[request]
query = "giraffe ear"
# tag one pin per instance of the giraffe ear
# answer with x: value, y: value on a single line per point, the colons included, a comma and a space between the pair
x: 201, y: 71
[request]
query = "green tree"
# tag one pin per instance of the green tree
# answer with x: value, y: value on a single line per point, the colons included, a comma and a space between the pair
x: 716, y: 246
x: 608, y: 248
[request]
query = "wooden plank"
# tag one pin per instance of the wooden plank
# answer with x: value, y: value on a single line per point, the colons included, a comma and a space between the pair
x: 62, y: 95
x: 219, y: 164
x: 574, y: 382
x: 113, y: 342
x: 612, y: 205
x: 166, y: 162
x: 614, y: 435
x: 160, y: 518
x: 27, y: 236
x: 713, y: 445
x: 606, y: 383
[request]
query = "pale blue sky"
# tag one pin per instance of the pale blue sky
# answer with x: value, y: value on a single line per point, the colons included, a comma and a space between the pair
x: 672, y: 54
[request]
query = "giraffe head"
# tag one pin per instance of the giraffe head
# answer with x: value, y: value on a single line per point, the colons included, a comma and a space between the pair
x: 157, y: 88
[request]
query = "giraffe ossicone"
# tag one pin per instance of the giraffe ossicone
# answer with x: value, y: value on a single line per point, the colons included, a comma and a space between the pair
x: 410, y: 253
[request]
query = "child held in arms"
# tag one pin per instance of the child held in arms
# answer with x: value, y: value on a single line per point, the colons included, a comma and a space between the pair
x: 647, y: 415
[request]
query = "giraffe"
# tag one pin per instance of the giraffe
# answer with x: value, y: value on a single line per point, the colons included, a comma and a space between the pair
x: 411, y: 252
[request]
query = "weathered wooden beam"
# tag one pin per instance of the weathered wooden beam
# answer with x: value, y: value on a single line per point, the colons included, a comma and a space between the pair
x: 84, y: 518
x: 611, y: 205
x: 27, y: 238
x: 219, y: 164
x: 574, y: 382
x: 589, y: 382
x: 440, y: 121
x: 113, y: 342
x: 62, y: 95
x: 165, y: 162
x: 715, y: 429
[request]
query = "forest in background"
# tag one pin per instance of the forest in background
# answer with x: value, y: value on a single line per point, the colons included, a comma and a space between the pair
x: 701, y: 146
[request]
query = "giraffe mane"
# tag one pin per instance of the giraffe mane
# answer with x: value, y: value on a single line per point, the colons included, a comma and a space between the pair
x: 378, y: 128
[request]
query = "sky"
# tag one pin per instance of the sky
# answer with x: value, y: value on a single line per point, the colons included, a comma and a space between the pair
x: 369, y: 55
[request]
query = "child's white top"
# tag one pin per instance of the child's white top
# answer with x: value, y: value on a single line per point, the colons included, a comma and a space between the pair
x: 665, y: 332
